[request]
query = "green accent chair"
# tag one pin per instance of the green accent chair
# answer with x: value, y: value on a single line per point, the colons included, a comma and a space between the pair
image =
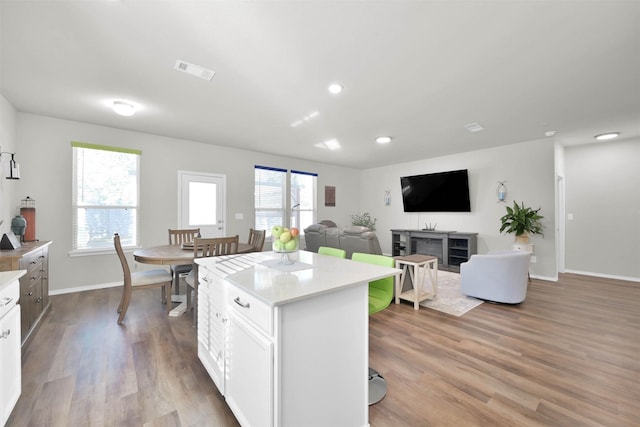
x: 336, y: 252
x: 380, y: 296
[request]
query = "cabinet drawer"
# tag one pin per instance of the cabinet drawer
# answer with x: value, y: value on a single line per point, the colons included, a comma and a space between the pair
x: 254, y: 310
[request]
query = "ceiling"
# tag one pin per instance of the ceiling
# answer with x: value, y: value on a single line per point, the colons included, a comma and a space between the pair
x: 418, y: 71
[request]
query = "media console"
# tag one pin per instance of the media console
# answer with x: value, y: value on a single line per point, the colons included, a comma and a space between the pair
x: 451, y: 247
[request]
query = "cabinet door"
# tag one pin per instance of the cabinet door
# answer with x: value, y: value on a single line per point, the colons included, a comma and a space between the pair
x: 10, y: 362
x: 249, y: 383
x: 211, y: 327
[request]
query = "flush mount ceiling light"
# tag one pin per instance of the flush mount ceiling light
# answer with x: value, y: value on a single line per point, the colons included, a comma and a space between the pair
x: 331, y: 144
x: 123, y: 108
x: 550, y: 133
x: 194, y: 70
x: 383, y: 139
x: 606, y: 136
x: 473, y: 127
x: 335, y: 88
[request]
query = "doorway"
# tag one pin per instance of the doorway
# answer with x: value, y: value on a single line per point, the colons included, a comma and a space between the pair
x: 201, y: 202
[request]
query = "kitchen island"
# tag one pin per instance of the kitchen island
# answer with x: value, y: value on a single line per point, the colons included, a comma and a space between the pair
x: 287, y: 345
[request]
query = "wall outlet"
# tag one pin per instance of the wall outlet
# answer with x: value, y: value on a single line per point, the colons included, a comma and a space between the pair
x: 533, y: 259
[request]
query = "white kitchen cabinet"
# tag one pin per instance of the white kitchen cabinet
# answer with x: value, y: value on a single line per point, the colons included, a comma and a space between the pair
x: 212, y: 318
x: 249, y: 388
x: 10, y: 343
x: 296, y: 337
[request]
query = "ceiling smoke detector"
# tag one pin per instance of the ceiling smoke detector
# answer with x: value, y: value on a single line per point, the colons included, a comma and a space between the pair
x: 194, y: 70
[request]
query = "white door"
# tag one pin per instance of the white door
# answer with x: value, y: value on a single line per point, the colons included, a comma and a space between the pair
x: 201, y: 199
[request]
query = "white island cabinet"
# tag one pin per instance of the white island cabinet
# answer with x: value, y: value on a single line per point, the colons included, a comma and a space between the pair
x: 10, y: 352
x: 287, y: 345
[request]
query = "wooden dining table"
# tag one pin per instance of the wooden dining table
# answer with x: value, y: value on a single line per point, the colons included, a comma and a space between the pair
x: 175, y: 255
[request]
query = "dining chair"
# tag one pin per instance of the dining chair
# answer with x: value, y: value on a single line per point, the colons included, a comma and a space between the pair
x: 380, y: 296
x: 140, y: 280
x: 256, y: 239
x: 179, y: 237
x: 203, y: 248
x: 336, y: 252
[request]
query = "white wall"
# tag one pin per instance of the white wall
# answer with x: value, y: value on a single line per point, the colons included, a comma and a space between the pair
x: 527, y: 168
x: 603, y: 195
x: 8, y: 209
x: 45, y: 161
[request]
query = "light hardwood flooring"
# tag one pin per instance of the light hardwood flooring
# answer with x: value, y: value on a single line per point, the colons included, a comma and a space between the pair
x: 568, y: 356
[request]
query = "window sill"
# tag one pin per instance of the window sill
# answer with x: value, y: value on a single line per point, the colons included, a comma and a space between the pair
x: 102, y: 251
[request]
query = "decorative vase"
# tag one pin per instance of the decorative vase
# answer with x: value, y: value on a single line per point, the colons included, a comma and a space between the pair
x: 523, y: 238
x: 18, y: 225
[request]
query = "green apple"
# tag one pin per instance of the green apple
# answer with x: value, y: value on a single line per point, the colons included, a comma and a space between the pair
x: 291, y: 245
x: 276, y: 231
x: 285, y: 236
x: 277, y: 245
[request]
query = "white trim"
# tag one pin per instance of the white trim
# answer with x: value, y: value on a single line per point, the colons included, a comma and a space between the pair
x: 85, y: 288
x: 547, y: 278
x: 102, y: 251
x: 606, y: 276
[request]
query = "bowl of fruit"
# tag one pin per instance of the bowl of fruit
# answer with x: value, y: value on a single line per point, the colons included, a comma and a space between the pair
x: 285, y: 241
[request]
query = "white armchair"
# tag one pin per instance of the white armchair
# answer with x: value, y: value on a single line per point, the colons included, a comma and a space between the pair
x: 497, y: 276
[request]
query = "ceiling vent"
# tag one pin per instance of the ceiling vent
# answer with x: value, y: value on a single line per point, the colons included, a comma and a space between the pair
x: 473, y: 127
x: 194, y: 70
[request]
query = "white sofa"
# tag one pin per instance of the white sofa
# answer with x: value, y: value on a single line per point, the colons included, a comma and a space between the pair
x: 352, y: 239
x: 497, y: 276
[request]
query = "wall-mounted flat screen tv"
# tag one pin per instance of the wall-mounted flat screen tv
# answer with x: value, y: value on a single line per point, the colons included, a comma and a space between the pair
x: 436, y: 192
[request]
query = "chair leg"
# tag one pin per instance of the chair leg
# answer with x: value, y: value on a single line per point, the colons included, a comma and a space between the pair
x: 121, y: 300
x: 126, y: 299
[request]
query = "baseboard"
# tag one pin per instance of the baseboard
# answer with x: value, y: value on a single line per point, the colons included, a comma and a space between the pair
x: 547, y: 278
x: 605, y: 276
x: 85, y: 288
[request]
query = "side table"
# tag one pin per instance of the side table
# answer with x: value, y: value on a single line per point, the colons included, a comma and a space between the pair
x: 417, y: 265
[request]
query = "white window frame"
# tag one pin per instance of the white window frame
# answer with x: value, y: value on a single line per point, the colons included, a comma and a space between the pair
x: 287, y: 209
x: 107, y: 247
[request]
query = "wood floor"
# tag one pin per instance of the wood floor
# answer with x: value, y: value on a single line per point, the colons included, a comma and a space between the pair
x: 568, y: 356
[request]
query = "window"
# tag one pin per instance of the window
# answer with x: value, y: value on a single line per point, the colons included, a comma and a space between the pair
x: 274, y: 208
x: 105, y: 196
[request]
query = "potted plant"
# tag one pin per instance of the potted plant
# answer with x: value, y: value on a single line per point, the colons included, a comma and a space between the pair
x: 522, y: 221
x: 364, y: 220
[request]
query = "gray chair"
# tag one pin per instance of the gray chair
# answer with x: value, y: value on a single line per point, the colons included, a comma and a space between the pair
x: 497, y: 276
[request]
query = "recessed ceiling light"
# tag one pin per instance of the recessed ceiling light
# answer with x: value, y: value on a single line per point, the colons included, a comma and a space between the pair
x: 123, y: 108
x: 331, y: 144
x: 550, y: 133
x: 605, y: 136
x: 473, y: 127
x: 194, y: 70
x: 383, y: 139
x: 304, y: 119
x: 335, y: 88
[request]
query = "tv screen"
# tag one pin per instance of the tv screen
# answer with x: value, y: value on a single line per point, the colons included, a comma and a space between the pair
x: 436, y: 192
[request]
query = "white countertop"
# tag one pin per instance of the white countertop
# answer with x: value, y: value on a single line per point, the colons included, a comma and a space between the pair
x: 260, y: 274
x: 6, y: 277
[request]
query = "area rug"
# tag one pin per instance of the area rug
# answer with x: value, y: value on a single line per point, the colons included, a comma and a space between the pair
x: 449, y: 299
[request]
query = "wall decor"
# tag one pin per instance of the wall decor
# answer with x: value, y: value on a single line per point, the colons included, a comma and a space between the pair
x: 329, y: 195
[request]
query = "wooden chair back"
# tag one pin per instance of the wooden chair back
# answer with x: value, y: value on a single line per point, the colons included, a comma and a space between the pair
x: 215, y: 246
x: 256, y: 239
x: 180, y: 236
x: 123, y: 260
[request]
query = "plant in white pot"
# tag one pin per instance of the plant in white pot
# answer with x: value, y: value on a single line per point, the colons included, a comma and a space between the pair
x: 522, y: 221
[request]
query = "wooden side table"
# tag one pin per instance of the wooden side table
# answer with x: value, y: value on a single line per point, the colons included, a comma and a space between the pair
x: 418, y: 265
